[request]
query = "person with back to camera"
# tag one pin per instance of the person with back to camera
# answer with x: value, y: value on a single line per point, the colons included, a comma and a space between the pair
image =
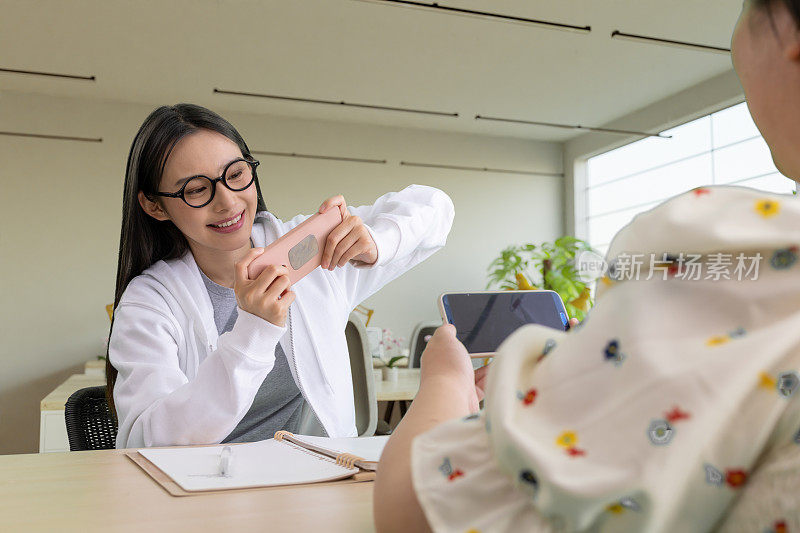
x: 199, y: 353
x: 675, y: 406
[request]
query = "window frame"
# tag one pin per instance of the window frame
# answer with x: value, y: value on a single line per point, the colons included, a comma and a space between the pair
x: 576, y: 209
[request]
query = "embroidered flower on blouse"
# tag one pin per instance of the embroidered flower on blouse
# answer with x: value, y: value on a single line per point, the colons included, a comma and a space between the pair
x: 783, y: 259
x: 779, y: 526
x: 456, y: 474
x: 623, y: 505
x: 612, y: 272
x: 549, y: 345
x: 765, y: 381
x: 700, y: 191
x: 713, y: 476
x: 768, y: 208
x: 676, y: 415
x: 447, y: 469
x: 630, y: 503
x: 568, y: 441
x: 527, y: 398
x: 529, y: 478
x: 787, y: 383
x: 612, y: 353
x: 674, y: 269
x: 615, y: 508
x: 575, y: 452
x: 735, y: 478
x: 738, y: 332
x: 717, y: 341
x: 660, y: 432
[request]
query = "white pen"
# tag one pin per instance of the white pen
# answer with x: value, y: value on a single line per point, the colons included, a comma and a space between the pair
x: 225, y: 461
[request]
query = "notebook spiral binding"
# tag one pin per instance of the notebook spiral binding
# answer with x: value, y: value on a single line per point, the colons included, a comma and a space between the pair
x: 279, y: 435
x: 346, y: 460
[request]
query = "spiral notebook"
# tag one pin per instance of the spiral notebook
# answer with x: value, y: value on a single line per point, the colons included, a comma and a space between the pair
x: 285, y: 460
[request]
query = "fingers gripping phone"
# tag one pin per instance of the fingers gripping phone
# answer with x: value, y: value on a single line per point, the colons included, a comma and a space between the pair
x: 300, y: 250
x: 483, y: 320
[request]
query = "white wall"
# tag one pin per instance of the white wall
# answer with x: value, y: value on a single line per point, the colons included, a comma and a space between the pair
x: 60, y: 211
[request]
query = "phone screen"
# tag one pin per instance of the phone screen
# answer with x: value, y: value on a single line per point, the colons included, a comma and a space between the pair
x: 484, y: 320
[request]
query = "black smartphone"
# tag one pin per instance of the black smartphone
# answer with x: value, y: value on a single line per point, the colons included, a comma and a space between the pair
x: 483, y: 320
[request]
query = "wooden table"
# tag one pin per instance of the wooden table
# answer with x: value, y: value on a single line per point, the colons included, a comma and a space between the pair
x: 106, y: 491
x: 405, y: 389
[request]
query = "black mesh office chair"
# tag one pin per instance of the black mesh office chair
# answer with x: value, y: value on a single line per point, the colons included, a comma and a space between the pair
x: 90, y: 425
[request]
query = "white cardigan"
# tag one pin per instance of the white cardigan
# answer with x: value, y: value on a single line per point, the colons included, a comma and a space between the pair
x: 179, y: 382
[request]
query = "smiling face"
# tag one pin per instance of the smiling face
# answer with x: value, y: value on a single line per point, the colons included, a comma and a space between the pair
x: 766, y: 56
x: 223, y: 225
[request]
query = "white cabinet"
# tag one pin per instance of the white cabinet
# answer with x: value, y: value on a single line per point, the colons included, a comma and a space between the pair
x: 52, y: 427
x: 53, y: 432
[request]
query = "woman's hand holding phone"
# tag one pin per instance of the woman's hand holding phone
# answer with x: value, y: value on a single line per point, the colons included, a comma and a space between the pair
x: 268, y: 296
x: 349, y: 241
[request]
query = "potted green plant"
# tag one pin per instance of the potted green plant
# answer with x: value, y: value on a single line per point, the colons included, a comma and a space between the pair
x: 393, y: 355
x: 547, y: 266
x: 390, y: 372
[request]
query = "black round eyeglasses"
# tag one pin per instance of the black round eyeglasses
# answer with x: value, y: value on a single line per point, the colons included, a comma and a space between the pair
x: 198, y: 191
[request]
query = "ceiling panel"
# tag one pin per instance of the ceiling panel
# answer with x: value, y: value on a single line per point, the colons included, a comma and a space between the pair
x: 158, y: 52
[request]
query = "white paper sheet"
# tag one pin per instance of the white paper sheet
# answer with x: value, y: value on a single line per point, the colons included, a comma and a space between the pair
x: 256, y: 464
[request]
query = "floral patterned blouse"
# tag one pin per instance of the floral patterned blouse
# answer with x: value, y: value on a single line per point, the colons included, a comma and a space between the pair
x: 673, y: 407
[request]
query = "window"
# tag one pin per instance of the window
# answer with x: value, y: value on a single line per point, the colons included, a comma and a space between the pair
x: 722, y: 148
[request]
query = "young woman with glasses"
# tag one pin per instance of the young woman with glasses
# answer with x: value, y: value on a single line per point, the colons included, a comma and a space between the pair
x: 199, y: 352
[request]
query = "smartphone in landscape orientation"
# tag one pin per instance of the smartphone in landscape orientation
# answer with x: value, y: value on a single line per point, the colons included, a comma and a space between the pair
x: 300, y: 250
x: 483, y: 320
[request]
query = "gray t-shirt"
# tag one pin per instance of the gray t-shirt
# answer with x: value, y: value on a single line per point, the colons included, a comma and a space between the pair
x: 278, y: 403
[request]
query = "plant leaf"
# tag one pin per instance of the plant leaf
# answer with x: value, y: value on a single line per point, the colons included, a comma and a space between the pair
x: 394, y: 359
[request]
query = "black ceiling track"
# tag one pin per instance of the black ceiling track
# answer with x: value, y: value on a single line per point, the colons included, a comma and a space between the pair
x: 482, y: 169
x: 616, y: 34
x: 51, y: 137
x: 337, y: 103
x: 48, y: 74
x: 435, y: 6
x: 572, y: 126
x: 325, y: 157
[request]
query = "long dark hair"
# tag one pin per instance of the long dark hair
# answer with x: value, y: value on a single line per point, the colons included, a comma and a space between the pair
x: 144, y: 240
x: 793, y: 6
